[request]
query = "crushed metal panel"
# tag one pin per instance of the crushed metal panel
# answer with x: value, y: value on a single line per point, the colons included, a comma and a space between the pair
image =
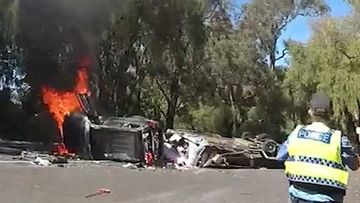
x: 228, y: 152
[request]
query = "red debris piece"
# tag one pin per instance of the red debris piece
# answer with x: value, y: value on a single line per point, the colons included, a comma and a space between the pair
x: 149, y: 159
x: 100, y: 192
x: 152, y: 123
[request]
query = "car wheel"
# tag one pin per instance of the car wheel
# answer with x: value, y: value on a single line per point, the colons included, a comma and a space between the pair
x: 270, y: 147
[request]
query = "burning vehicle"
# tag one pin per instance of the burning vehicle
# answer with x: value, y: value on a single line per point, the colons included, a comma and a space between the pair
x: 209, y: 150
x: 140, y: 140
x: 82, y: 132
x: 128, y: 139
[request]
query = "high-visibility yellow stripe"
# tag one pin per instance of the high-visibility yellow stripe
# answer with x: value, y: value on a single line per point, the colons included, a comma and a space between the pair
x: 315, y: 150
x: 316, y: 170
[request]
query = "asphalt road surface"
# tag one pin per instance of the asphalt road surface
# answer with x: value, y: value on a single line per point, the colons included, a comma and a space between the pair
x: 32, y: 184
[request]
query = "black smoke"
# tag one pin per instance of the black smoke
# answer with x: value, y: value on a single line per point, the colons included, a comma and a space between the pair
x: 55, y: 35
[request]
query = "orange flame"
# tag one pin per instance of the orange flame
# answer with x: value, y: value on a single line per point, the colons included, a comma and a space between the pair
x: 61, y: 103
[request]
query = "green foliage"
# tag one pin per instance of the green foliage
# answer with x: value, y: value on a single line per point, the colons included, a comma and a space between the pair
x: 267, y: 28
x: 209, y: 119
x: 329, y: 63
x: 152, y: 56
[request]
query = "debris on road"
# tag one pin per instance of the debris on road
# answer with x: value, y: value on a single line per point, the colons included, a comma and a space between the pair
x: 100, y: 192
x: 59, y: 160
x: 183, y: 150
x: 130, y: 165
x: 42, y: 162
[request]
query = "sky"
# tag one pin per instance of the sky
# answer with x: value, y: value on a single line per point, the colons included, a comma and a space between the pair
x: 299, y: 29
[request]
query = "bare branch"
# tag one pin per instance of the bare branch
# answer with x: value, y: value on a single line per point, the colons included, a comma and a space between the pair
x: 179, y: 106
x: 213, y: 11
x: 163, y: 91
x: 284, y: 53
x: 162, y: 112
x: 348, y: 56
x: 150, y: 105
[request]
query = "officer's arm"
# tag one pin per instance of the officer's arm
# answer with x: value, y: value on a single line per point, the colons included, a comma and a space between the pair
x: 348, y: 155
x: 283, y: 154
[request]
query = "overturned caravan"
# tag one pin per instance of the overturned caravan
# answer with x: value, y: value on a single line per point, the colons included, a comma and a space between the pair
x: 209, y: 150
x: 132, y: 139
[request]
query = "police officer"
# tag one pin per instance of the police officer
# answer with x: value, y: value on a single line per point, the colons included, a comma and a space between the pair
x: 316, y: 157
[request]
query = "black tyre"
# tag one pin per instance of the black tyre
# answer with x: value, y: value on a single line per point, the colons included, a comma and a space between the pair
x: 77, y: 135
x: 270, y: 147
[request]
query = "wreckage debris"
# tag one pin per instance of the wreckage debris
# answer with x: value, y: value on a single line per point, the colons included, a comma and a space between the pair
x: 42, y: 162
x: 181, y: 150
x: 189, y: 149
x: 130, y: 166
x: 125, y: 139
x: 59, y: 160
x: 140, y: 142
x: 100, y: 192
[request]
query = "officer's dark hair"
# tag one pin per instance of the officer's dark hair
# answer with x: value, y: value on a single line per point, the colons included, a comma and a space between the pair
x: 320, y: 106
x: 320, y: 117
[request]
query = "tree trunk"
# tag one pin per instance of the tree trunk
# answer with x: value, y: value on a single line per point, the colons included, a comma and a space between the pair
x: 272, y: 55
x: 292, y: 112
x: 350, y: 127
x: 172, y: 102
x: 171, y: 111
x: 233, y: 111
x: 353, y: 137
x: 170, y: 116
x: 272, y: 60
x: 358, y: 114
